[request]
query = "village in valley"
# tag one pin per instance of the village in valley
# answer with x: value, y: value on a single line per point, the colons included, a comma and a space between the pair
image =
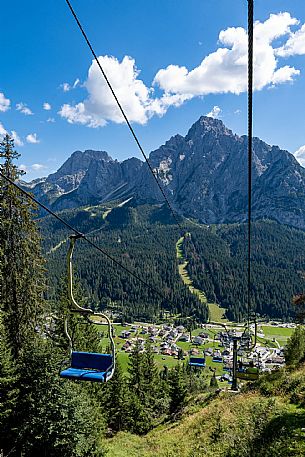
x: 175, y: 344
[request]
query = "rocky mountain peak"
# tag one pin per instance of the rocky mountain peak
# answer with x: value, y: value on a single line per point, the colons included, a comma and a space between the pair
x: 206, y: 125
x: 204, y: 175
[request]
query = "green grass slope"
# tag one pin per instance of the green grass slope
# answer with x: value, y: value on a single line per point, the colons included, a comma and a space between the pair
x: 266, y: 422
x: 216, y: 313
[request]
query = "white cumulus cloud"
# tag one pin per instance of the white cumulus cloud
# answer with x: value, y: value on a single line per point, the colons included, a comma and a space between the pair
x: 300, y: 155
x: 16, y: 138
x: 32, y: 138
x: 214, y: 112
x: 33, y: 167
x: 23, y: 108
x: 13, y: 134
x: 225, y: 70
x: 46, y: 106
x: 3, y: 131
x: 38, y: 166
x: 222, y: 71
x: 136, y: 99
x: 4, y: 102
x: 295, y: 45
x: 65, y: 87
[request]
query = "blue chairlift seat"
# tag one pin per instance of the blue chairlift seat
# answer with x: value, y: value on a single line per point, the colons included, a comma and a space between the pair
x: 248, y: 374
x: 197, y: 362
x: 89, y: 366
x: 217, y: 359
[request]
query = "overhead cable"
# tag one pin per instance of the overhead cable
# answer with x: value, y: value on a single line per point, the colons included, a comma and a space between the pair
x: 250, y: 128
x: 123, y: 113
x: 77, y: 232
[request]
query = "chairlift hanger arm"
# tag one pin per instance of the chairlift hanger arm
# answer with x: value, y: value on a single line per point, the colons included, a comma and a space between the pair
x: 86, y: 312
x: 75, y: 305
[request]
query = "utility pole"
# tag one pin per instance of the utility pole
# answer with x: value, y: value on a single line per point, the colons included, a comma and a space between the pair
x: 234, y: 380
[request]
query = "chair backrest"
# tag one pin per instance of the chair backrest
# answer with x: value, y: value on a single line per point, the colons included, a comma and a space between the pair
x: 91, y: 360
x: 217, y: 358
x: 197, y: 360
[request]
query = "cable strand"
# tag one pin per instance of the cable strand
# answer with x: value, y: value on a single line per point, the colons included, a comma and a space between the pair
x: 250, y: 128
x: 77, y: 232
x: 123, y: 113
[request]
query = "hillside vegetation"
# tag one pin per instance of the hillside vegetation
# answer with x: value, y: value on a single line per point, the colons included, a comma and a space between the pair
x: 217, y: 264
x: 144, y: 239
x: 266, y: 422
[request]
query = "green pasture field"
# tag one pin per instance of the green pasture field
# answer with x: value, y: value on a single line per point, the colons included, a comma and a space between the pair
x: 281, y: 334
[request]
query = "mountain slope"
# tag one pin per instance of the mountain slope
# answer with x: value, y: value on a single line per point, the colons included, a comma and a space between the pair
x: 204, y: 175
x: 230, y: 425
x: 143, y: 239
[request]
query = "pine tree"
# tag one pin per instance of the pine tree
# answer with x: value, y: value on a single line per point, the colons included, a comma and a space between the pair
x: 136, y: 371
x: 43, y: 414
x: 156, y: 391
x: 116, y: 401
x: 22, y: 266
x: 295, y: 348
x: 140, y: 418
x: 62, y: 418
x: 8, y: 393
x: 178, y: 389
x: 150, y: 370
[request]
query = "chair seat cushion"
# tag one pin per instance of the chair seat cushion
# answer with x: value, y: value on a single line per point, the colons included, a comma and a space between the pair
x: 83, y: 375
x: 217, y: 359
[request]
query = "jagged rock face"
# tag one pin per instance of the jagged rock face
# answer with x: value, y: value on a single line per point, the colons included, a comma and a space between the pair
x: 71, y: 173
x: 87, y: 177
x: 204, y: 175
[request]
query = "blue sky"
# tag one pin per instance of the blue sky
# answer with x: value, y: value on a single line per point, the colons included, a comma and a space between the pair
x: 170, y: 61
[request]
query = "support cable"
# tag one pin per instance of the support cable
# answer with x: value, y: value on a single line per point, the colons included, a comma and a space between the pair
x: 81, y: 235
x: 132, y: 131
x: 123, y: 114
x: 250, y: 132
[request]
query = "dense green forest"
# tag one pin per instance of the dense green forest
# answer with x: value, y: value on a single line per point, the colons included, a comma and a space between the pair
x: 144, y: 240
x: 44, y: 415
x: 139, y: 240
x: 40, y: 413
x: 217, y: 264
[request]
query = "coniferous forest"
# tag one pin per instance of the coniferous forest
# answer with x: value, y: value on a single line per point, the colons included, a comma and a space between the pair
x: 144, y: 240
x: 42, y: 414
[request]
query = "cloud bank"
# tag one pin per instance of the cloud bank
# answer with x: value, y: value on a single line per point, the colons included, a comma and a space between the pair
x: 222, y: 71
x: 4, y: 102
x: 300, y: 155
x: 24, y: 109
x: 32, y: 138
x: 13, y: 134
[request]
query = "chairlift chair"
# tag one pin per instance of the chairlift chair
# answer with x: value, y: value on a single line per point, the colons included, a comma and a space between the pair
x: 198, y: 362
x: 217, y: 359
x: 87, y: 366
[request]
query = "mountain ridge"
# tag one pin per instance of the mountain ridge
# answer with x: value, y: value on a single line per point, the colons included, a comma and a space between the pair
x: 204, y: 175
